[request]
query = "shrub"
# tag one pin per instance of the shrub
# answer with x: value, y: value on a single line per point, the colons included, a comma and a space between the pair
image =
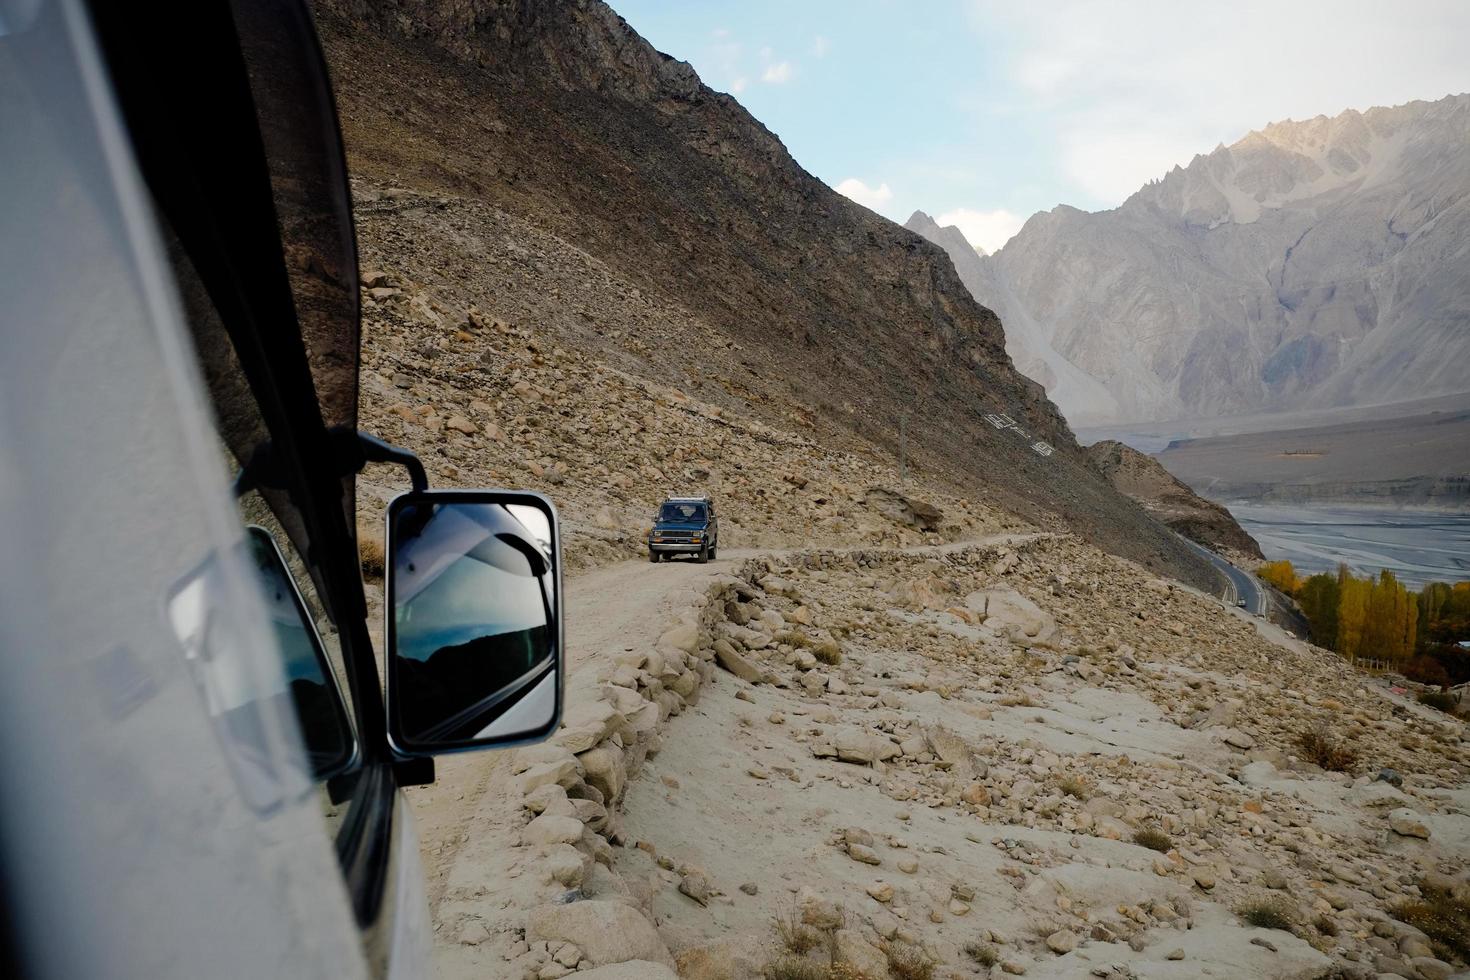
x: 370, y: 552
x: 1022, y: 700
x: 1440, y: 700
x: 1270, y: 912
x: 1325, y: 926
x: 907, y: 961
x: 795, y: 968
x: 1076, y: 787
x: 1442, y: 917
x: 983, y: 953
x: 796, y: 936
x: 827, y: 652
x: 1153, y: 839
x: 1427, y: 670
x: 1323, y: 749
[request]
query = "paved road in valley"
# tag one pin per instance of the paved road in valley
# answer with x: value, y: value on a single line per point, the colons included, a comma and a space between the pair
x: 1240, y: 585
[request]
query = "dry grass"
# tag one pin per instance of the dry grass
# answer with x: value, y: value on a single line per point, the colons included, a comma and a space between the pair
x: 1154, y: 839
x: 983, y: 953
x: 370, y: 551
x: 1268, y: 912
x: 827, y: 652
x: 1442, y: 917
x: 1324, y: 749
x: 1022, y: 700
x: 1076, y: 787
x: 907, y: 961
x: 795, y: 968
x: 1325, y: 926
x: 796, y: 936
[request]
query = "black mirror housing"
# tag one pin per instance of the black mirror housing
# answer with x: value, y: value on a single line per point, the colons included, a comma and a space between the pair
x: 474, y: 627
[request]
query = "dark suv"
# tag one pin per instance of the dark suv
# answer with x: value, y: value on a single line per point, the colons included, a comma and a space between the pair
x: 685, y: 525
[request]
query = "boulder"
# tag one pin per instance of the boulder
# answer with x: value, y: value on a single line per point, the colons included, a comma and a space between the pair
x: 631, y: 970
x: 1407, y: 823
x: 857, y: 745
x: 736, y: 663
x: 849, y: 946
x: 607, y: 932
x: 552, y: 829
x: 904, y: 509
x: 1007, y: 611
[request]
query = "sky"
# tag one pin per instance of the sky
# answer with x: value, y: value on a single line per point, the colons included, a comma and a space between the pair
x: 982, y: 113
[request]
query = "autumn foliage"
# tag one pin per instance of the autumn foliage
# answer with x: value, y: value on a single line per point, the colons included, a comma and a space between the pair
x: 1379, y: 619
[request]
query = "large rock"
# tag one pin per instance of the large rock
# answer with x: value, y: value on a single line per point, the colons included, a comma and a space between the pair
x: 606, y: 932
x: 904, y: 509
x: 552, y: 829
x: 736, y: 663
x: 605, y: 769
x: 1007, y: 611
x: 858, y: 745
x: 1407, y: 823
x: 631, y: 970
x: 849, y: 946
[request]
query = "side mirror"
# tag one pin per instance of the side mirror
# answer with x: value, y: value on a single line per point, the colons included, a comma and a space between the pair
x: 474, y: 627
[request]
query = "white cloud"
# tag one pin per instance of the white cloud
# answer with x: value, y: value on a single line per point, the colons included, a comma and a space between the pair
x: 777, y: 74
x: 987, y: 229
x: 869, y: 197
x: 1132, y: 87
x: 820, y: 46
x: 738, y: 85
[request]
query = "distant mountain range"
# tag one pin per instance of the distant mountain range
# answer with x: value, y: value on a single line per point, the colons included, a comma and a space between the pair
x: 1309, y: 265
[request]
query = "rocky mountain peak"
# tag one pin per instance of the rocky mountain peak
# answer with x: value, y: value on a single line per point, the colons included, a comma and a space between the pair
x: 1309, y: 264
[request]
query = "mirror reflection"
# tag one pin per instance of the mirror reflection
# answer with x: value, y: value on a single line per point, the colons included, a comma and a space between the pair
x: 319, y: 709
x: 473, y: 619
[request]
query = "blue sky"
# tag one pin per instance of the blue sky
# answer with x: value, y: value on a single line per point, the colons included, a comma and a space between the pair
x: 985, y: 112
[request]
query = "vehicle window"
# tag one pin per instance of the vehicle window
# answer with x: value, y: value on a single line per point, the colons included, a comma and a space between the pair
x: 241, y: 429
x: 312, y: 689
x: 681, y: 512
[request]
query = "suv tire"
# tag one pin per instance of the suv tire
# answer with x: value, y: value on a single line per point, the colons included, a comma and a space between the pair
x: 703, y: 556
x: 714, y: 551
x: 653, y: 556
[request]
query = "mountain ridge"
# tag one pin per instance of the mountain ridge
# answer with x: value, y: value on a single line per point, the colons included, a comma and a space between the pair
x: 829, y: 317
x: 1307, y: 265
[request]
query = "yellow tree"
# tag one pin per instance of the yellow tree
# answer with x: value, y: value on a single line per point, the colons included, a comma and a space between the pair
x: 1411, y: 623
x: 1281, y: 575
x: 1352, y: 614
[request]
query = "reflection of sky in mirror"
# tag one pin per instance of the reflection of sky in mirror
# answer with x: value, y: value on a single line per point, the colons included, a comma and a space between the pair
x: 447, y: 592
x: 278, y: 592
x: 535, y: 521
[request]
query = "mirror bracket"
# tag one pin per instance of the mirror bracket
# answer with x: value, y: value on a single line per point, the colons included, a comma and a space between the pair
x: 351, y: 451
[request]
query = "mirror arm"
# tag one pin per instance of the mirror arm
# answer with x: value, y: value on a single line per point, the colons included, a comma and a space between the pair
x: 375, y: 450
x: 351, y: 451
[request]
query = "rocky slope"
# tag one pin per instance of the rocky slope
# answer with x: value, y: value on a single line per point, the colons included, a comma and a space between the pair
x: 1142, y: 477
x: 544, y: 165
x: 1310, y: 264
x: 1016, y: 757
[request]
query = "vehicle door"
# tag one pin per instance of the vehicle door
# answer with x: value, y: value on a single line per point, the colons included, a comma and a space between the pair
x: 158, y: 815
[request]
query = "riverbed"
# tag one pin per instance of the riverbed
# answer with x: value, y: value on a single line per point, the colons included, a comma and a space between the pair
x: 1417, y: 546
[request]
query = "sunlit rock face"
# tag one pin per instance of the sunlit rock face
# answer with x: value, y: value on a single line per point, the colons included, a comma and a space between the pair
x: 1311, y: 264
